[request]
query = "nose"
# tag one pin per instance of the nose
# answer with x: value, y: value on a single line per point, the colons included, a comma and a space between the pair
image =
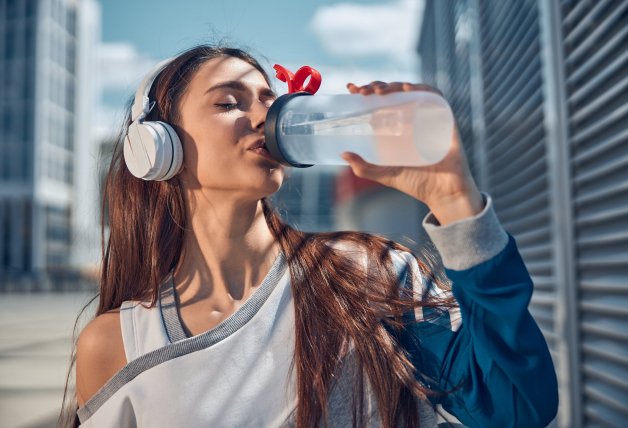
x: 259, y: 111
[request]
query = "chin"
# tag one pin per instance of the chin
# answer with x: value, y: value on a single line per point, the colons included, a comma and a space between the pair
x: 271, y: 184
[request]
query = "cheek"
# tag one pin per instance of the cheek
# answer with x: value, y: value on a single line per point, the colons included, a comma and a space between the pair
x: 213, y: 158
x: 212, y: 143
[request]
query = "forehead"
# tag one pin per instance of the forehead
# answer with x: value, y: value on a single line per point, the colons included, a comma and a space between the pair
x: 225, y: 68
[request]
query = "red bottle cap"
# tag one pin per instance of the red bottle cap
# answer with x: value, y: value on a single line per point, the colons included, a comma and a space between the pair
x: 296, y: 80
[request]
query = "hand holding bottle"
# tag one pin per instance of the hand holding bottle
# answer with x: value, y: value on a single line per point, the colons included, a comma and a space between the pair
x: 446, y: 187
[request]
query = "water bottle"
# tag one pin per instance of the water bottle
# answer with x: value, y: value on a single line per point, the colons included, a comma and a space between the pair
x: 401, y: 128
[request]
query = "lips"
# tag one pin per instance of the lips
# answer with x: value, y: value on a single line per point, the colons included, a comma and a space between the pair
x: 259, y: 148
x: 261, y: 143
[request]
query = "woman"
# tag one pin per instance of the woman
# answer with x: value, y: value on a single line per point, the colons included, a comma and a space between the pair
x: 213, y: 312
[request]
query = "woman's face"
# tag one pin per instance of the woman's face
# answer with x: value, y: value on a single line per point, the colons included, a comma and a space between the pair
x: 222, y: 116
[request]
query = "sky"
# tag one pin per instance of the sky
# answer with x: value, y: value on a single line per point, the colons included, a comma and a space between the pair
x: 347, y: 41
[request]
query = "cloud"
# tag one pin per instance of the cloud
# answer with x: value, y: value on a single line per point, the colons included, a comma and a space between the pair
x: 122, y: 66
x: 352, y: 30
x: 108, y: 120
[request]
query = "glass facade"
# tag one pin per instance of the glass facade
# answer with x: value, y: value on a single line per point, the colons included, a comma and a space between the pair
x: 15, y: 235
x: 58, y: 238
x: 38, y: 48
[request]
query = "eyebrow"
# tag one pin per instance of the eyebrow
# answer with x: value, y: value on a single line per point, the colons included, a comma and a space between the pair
x: 239, y: 86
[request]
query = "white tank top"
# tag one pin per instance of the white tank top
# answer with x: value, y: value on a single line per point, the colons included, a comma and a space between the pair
x: 236, y: 374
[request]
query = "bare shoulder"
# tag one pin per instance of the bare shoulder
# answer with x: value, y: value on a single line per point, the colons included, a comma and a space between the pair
x: 99, y: 354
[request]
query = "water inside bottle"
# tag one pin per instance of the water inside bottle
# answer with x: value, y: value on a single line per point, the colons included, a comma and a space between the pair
x: 393, y: 135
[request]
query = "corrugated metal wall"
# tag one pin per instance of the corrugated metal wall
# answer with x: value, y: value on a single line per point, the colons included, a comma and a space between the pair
x: 545, y: 85
x: 515, y: 144
x: 595, y: 38
x: 444, y: 46
x: 515, y: 141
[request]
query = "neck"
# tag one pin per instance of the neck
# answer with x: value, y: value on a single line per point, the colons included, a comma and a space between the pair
x: 228, y: 250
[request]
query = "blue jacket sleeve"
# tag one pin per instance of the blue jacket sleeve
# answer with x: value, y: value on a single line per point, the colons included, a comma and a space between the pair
x: 493, y: 365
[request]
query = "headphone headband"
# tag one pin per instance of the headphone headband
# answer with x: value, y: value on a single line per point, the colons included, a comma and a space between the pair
x: 152, y: 149
x: 142, y: 105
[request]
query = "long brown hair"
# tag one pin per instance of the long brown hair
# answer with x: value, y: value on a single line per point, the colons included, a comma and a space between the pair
x: 336, y: 302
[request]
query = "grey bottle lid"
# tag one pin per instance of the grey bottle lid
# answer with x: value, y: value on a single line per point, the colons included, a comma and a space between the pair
x: 271, y: 130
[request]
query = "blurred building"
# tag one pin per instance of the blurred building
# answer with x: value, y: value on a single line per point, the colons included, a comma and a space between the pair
x: 306, y: 198
x: 46, y: 63
x: 370, y: 207
x: 326, y: 198
x: 540, y: 90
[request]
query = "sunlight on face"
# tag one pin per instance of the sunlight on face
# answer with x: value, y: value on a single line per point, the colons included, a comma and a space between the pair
x: 222, y: 115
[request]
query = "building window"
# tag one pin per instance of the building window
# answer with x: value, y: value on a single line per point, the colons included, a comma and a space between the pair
x: 27, y: 82
x: 57, y: 236
x: 26, y: 236
x: 69, y: 132
x: 58, y: 225
x: 12, y: 9
x: 31, y: 8
x: 70, y: 95
x: 71, y: 24
x: 28, y: 142
x: 9, y: 42
x: 29, y: 39
x: 6, y: 232
x: 71, y: 56
x: 6, y: 123
x: 68, y: 172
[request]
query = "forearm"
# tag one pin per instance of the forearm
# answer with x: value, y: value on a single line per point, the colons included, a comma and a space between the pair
x: 450, y: 209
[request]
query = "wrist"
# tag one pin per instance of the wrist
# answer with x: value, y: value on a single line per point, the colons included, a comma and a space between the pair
x: 453, y: 208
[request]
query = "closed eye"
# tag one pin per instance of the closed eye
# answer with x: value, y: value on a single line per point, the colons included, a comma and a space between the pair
x: 228, y: 106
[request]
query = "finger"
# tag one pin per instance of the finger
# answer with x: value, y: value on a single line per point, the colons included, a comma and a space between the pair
x: 407, y: 87
x: 353, y: 88
x: 421, y: 87
x: 360, y: 167
x: 389, y: 87
x: 366, y: 90
x: 371, y: 87
x: 377, y: 83
x: 378, y: 87
x: 381, y: 88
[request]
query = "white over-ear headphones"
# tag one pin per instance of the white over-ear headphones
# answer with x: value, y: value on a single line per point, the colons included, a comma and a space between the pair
x: 152, y: 149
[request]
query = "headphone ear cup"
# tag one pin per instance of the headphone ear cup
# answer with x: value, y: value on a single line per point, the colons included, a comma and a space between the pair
x: 140, y: 150
x: 153, y: 151
x: 163, y: 146
x: 176, y: 151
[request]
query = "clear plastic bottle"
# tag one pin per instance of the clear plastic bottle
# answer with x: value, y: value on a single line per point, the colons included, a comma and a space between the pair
x: 401, y: 128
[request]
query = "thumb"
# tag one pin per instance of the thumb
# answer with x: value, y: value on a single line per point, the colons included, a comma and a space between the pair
x: 360, y: 167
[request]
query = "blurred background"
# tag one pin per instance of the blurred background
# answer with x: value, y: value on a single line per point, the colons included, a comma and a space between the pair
x: 539, y: 89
